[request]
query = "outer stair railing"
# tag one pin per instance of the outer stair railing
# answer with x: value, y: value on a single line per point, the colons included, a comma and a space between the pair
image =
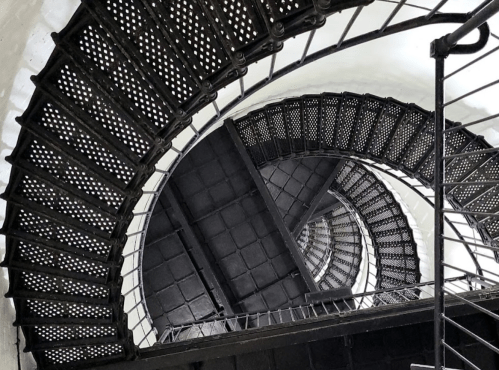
x: 486, y: 215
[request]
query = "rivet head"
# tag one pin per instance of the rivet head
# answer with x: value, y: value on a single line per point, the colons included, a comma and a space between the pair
x: 207, y: 85
x: 240, y: 58
x: 324, y: 4
x: 278, y: 29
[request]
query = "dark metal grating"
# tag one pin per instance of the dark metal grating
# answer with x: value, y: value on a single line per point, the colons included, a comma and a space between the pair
x: 332, y: 248
x: 212, y: 247
x: 397, y: 262
x: 382, y: 139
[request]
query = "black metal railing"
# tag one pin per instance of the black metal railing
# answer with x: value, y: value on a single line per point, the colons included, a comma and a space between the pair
x: 328, y: 307
x: 485, y: 215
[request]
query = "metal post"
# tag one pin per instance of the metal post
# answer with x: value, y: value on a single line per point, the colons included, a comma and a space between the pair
x: 439, y: 332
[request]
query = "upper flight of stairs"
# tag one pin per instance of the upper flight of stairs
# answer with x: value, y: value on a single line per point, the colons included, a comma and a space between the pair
x: 381, y: 130
x: 122, y: 83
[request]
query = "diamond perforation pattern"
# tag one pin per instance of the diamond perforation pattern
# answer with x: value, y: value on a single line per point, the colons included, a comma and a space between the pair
x: 385, y: 219
x: 41, y: 193
x: 39, y: 155
x: 56, y: 122
x: 190, y: 22
x: 90, y: 101
x: 124, y: 76
x: 149, y: 42
x: 63, y: 356
x: 46, y: 309
x: 49, y: 284
x: 38, y: 255
x: 44, y: 228
x: 239, y: 20
x: 73, y: 332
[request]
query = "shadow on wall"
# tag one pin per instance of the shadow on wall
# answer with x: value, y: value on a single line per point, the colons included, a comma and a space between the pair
x: 25, y: 41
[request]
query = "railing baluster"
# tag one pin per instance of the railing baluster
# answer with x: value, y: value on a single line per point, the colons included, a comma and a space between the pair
x: 436, y: 9
x: 392, y: 15
x: 303, y: 312
x: 313, y: 310
x: 272, y: 66
x: 459, y: 355
x: 349, y: 25
x: 189, y: 331
x: 325, y: 309
x: 241, y: 85
x: 215, y: 105
x: 307, y: 46
x: 471, y: 123
x: 472, y: 92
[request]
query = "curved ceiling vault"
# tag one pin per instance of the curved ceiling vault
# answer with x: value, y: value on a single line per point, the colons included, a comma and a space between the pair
x: 124, y: 80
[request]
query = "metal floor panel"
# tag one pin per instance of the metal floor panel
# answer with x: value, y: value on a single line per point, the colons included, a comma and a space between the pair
x: 294, y: 183
x: 173, y: 288
x: 229, y: 218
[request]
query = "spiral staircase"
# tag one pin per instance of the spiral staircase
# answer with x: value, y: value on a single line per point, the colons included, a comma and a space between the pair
x: 123, y: 82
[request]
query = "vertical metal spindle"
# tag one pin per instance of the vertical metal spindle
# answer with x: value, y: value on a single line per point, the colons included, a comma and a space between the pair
x: 241, y: 85
x: 272, y: 65
x: 392, y: 15
x: 307, y: 46
x: 439, y: 328
x: 349, y: 25
x: 215, y: 105
x: 436, y: 9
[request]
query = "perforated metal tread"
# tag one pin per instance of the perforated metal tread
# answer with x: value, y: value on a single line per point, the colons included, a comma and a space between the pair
x: 84, y: 118
x: 382, y: 130
x: 294, y: 184
x: 397, y: 262
x: 332, y: 248
x: 123, y: 81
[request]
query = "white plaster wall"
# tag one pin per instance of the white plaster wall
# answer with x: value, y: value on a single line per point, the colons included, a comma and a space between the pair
x: 25, y: 45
